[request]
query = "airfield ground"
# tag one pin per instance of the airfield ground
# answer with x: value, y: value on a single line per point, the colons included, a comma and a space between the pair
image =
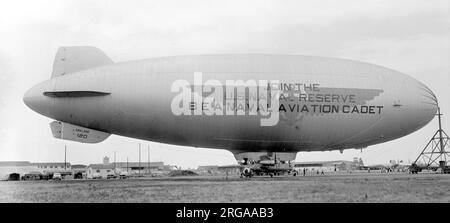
x: 355, y: 187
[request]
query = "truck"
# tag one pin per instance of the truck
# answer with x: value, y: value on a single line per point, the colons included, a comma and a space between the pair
x: 414, y: 169
x: 57, y: 176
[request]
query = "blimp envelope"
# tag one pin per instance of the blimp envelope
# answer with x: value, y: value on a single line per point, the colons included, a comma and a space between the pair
x: 62, y: 130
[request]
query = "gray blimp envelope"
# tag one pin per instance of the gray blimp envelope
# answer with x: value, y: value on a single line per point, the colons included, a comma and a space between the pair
x: 245, y: 103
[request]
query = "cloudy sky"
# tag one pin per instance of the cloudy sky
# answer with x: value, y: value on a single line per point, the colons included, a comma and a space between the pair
x: 409, y: 36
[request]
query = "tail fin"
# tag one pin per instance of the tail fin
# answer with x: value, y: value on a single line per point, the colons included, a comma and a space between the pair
x: 75, y: 58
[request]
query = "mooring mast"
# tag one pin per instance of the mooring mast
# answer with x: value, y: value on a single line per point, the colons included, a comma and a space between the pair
x: 437, y: 151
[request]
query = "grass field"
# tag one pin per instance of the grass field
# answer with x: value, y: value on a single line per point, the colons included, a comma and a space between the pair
x: 334, y: 188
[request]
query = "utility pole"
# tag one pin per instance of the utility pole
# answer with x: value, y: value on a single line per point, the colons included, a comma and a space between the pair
x: 127, y: 166
x: 148, y: 158
x: 114, y: 162
x: 139, y: 159
x: 65, y: 156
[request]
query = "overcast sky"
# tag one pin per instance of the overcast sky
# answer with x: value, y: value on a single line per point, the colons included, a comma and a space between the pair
x: 409, y: 36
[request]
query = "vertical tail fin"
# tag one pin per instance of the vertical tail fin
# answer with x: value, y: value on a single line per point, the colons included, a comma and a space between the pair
x: 75, y: 58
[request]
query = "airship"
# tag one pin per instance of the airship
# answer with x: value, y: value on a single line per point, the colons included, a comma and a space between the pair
x: 257, y: 106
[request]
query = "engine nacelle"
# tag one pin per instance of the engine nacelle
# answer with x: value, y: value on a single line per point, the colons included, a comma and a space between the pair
x: 62, y: 130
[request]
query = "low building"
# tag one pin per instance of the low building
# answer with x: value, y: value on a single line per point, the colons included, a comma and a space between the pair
x: 79, y: 171
x: 16, y: 167
x: 50, y: 168
x: 339, y: 165
x: 141, y: 168
x: 99, y: 170
x: 79, y: 168
x: 210, y: 169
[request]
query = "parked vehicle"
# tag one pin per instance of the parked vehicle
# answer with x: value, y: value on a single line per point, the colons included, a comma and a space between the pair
x: 32, y: 176
x: 57, y: 176
x: 414, y: 169
x: 111, y: 176
x: 78, y: 175
x: 124, y: 175
x: 96, y: 176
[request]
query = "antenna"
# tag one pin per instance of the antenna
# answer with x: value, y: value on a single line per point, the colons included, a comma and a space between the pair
x: 114, y: 161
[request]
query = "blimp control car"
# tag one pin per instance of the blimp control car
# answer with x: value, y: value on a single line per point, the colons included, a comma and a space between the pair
x: 256, y: 106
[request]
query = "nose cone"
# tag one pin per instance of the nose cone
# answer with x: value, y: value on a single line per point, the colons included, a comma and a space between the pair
x: 34, y: 98
x: 420, y: 105
x: 411, y: 106
x: 426, y: 103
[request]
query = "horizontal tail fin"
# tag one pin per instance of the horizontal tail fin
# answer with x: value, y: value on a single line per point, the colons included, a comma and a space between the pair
x: 75, y: 58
